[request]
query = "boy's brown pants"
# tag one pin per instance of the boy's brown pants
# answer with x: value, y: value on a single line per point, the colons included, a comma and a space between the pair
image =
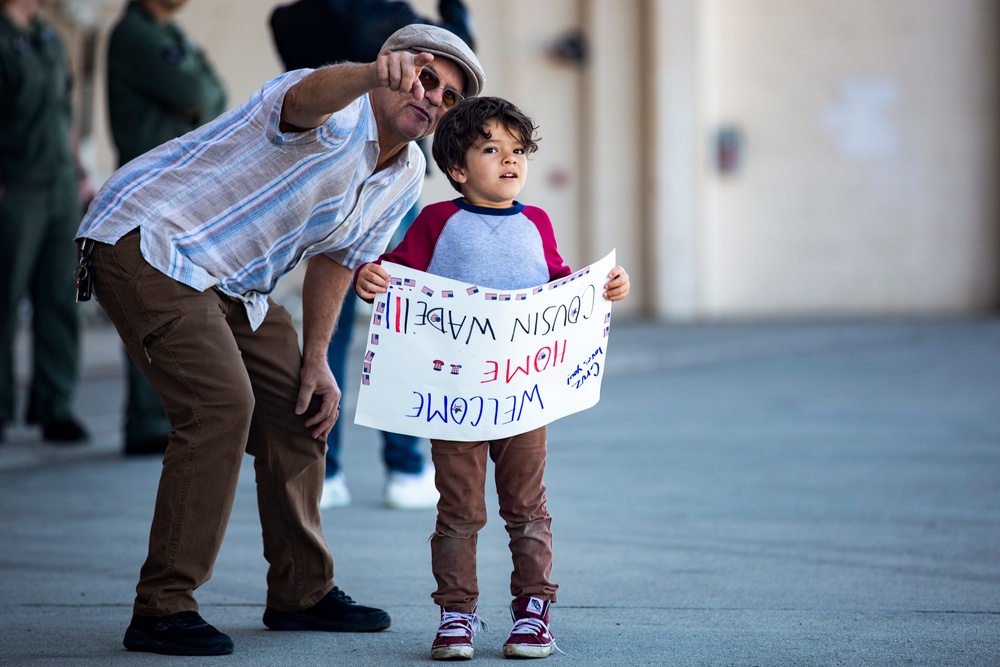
x: 460, y: 475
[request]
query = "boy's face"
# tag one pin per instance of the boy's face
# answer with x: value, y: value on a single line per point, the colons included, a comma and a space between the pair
x: 495, y: 169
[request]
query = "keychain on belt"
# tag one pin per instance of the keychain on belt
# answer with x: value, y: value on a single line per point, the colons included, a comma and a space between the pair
x: 83, y: 273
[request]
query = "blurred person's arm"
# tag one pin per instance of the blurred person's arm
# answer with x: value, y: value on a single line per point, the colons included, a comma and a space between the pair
x: 181, y: 82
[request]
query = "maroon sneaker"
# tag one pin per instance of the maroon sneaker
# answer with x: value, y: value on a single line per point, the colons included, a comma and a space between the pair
x: 530, y: 636
x: 454, y: 635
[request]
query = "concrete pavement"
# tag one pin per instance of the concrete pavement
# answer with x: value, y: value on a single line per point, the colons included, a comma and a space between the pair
x: 745, y: 494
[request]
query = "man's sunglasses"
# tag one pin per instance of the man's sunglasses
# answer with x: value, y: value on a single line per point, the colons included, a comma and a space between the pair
x: 431, y: 82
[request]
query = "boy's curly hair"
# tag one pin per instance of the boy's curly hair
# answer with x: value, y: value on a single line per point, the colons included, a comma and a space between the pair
x: 465, y: 124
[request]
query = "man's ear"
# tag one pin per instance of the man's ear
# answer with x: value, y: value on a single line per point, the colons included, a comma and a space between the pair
x: 457, y: 174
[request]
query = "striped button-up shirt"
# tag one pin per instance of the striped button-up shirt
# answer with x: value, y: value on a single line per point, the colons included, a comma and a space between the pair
x: 236, y: 203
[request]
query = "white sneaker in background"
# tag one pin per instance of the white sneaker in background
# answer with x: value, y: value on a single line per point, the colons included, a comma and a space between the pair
x: 411, y: 491
x: 335, y: 493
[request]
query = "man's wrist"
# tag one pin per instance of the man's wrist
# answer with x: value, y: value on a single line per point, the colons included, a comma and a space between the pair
x: 314, y: 355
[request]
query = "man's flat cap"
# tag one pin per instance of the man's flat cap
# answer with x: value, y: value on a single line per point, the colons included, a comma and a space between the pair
x: 440, y: 42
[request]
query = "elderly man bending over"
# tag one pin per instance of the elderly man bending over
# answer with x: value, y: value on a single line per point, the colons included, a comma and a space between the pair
x: 185, y: 243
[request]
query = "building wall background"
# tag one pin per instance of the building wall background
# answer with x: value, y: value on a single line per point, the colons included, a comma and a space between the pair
x: 869, y: 182
x: 866, y: 176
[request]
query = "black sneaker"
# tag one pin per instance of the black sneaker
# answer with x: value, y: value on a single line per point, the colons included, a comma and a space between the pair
x: 183, y: 633
x: 336, y: 612
x: 64, y: 432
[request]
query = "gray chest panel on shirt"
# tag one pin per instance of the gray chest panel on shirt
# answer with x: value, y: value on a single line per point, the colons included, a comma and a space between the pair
x: 500, y: 251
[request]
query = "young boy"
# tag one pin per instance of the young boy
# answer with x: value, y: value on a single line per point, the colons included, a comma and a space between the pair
x: 487, y: 238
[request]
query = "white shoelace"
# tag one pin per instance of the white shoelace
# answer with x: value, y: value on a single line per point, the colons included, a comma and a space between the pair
x: 534, y: 626
x: 529, y: 626
x: 457, y: 624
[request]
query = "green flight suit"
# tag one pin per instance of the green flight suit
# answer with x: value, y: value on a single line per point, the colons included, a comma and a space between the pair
x: 39, y: 215
x: 160, y: 86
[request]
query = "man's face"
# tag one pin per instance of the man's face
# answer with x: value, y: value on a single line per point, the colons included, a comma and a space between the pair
x: 409, y: 118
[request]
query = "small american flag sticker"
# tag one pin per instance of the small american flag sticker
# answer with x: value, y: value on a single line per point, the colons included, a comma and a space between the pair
x: 374, y: 339
x: 447, y: 294
x: 427, y: 290
x: 473, y: 290
x: 490, y: 296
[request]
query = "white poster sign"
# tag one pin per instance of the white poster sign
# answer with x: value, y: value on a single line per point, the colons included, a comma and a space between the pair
x: 453, y: 361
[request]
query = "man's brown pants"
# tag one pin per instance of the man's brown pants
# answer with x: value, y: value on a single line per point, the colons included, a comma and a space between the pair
x: 227, y: 390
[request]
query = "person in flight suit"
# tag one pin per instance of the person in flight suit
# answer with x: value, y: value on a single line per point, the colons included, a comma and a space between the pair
x: 160, y: 86
x: 41, y: 188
